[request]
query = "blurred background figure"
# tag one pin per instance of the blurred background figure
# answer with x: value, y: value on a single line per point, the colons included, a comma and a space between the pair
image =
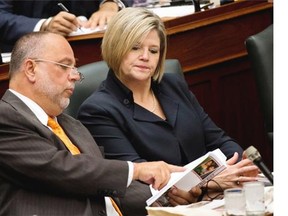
x: 18, y: 18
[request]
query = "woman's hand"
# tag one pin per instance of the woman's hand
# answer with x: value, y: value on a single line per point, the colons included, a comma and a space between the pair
x: 235, y: 174
x: 180, y: 197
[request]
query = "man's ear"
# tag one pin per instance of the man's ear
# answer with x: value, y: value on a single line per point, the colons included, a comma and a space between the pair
x: 30, y: 69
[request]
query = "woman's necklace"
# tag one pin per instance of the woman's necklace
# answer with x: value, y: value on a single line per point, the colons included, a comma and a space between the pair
x: 154, y: 102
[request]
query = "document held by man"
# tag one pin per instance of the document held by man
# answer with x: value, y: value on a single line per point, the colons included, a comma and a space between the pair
x: 198, y: 172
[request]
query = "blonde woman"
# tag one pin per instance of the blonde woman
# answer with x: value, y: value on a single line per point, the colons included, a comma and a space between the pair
x: 141, y: 114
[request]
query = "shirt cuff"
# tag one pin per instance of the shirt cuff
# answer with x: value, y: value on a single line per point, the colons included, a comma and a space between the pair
x: 38, y: 25
x: 130, y: 174
x: 42, y: 22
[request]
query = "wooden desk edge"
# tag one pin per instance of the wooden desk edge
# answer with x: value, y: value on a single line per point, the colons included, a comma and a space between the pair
x: 176, y: 27
x: 173, y: 24
x: 4, y: 72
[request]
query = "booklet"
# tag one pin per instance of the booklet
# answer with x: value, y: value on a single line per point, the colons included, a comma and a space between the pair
x: 198, y: 172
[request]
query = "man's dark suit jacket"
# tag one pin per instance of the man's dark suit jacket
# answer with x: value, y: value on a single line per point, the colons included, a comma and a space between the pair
x: 129, y: 132
x: 20, y: 17
x: 39, y: 176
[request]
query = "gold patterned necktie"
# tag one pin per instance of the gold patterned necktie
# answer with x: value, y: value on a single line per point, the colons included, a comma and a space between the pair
x: 61, y: 134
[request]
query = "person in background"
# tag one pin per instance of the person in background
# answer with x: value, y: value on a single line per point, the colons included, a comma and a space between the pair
x: 141, y: 114
x: 45, y: 173
x: 21, y: 17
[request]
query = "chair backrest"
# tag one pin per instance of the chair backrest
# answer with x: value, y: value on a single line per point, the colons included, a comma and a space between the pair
x: 260, y: 52
x: 95, y: 73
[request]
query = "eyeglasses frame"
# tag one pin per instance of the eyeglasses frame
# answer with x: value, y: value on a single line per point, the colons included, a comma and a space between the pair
x: 74, y: 70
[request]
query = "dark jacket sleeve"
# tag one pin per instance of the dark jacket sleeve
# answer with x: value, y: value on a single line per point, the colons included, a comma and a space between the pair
x: 12, y: 24
x: 19, y: 17
x: 214, y: 136
x: 134, y: 202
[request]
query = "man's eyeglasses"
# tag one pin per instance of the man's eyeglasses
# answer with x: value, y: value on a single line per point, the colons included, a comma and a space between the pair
x: 73, y: 70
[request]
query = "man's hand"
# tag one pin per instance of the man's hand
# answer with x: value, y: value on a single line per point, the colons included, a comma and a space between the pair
x: 63, y: 23
x: 103, y: 16
x: 155, y: 173
x: 180, y: 197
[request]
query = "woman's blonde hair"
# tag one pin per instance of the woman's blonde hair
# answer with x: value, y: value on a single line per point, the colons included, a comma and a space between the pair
x: 127, y: 28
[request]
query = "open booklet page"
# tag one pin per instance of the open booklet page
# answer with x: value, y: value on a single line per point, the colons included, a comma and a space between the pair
x: 198, y: 172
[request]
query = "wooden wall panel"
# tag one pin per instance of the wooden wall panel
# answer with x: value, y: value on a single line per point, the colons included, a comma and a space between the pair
x: 227, y: 92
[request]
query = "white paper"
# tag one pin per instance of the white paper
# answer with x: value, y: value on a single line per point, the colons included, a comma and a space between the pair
x: 173, y: 11
x: 85, y: 31
x: 6, y: 57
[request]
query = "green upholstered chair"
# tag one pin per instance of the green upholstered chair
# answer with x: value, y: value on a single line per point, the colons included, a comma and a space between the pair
x: 260, y: 53
x: 94, y: 74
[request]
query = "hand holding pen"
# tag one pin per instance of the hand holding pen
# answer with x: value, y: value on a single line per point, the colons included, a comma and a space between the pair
x: 63, y: 23
x: 66, y: 10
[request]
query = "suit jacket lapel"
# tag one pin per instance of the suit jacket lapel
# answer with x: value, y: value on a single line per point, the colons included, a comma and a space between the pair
x: 170, y: 108
x: 21, y: 107
x: 84, y: 142
x: 121, y: 92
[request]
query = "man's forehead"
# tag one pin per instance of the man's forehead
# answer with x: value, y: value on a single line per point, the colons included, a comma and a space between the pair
x: 59, y: 48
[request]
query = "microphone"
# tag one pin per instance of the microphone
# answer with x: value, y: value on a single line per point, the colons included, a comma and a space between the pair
x: 196, y: 4
x: 253, y: 154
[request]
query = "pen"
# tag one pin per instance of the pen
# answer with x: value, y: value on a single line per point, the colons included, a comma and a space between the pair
x: 66, y: 10
x: 63, y: 7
